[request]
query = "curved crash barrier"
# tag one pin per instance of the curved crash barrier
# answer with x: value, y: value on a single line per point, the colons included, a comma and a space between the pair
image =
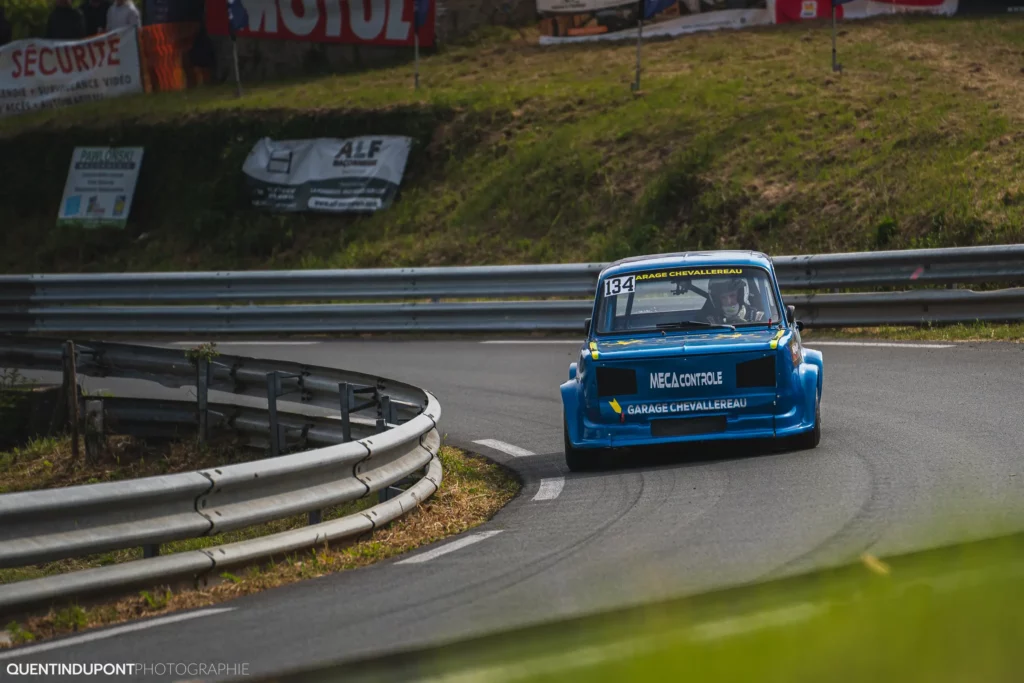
x: 373, y: 435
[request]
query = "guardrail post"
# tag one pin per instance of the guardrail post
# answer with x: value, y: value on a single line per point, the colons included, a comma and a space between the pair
x: 273, y: 389
x: 315, y: 516
x: 383, y: 411
x: 150, y: 550
x: 345, y: 393
x: 71, y: 394
x: 202, y: 396
x: 94, y: 432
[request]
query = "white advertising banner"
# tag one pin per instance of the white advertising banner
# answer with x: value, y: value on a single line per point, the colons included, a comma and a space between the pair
x: 43, y: 74
x: 577, y: 6
x: 333, y: 175
x: 862, y: 9
x: 100, y: 186
x: 688, y: 23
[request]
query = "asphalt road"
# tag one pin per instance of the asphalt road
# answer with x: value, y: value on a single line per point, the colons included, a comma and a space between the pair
x: 920, y: 447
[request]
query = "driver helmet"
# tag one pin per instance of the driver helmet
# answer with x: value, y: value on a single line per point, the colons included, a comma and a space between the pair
x: 728, y: 295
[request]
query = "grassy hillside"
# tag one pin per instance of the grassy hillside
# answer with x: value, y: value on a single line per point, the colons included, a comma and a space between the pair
x: 531, y: 154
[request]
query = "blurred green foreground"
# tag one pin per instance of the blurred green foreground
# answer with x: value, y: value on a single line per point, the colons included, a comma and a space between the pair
x: 953, y: 615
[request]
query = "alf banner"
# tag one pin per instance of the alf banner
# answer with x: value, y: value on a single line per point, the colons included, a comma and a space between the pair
x: 325, y: 174
x: 45, y: 74
x: 355, y: 22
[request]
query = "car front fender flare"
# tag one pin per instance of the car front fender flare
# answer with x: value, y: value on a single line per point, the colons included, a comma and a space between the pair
x: 571, y: 409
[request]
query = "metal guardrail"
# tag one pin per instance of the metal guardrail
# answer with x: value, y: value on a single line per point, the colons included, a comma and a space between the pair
x: 880, y: 268
x: 291, y: 301
x: 362, y: 449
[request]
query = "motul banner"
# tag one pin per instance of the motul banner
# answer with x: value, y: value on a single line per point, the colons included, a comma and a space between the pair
x: 358, y: 22
x: 798, y: 10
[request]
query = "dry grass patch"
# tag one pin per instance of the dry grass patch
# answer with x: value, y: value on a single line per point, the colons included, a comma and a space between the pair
x: 473, y: 489
x: 48, y: 462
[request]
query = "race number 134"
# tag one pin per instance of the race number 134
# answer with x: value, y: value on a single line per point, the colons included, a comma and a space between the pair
x: 619, y: 285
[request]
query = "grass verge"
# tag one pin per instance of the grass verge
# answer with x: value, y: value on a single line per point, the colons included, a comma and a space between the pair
x: 473, y: 489
x: 542, y: 154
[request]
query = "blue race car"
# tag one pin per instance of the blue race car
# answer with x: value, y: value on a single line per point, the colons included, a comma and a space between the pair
x: 690, y: 347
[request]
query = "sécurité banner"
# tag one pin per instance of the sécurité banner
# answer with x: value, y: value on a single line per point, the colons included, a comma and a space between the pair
x: 327, y: 174
x: 100, y: 186
x: 43, y: 74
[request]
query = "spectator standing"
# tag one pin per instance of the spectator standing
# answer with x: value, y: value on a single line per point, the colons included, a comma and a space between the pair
x: 65, y: 22
x: 95, y: 13
x: 121, y: 14
x: 6, y: 31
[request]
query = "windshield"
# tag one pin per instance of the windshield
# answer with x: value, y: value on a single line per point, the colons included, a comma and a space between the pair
x: 686, y: 297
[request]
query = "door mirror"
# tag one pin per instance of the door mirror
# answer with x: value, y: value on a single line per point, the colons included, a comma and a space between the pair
x: 586, y: 326
x: 790, y: 314
x: 800, y: 325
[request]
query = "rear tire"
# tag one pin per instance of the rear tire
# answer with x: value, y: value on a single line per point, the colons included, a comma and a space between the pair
x: 812, y: 438
x: 579, y: 459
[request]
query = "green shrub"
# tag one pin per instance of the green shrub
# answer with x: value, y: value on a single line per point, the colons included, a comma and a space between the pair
x: 28, y: 17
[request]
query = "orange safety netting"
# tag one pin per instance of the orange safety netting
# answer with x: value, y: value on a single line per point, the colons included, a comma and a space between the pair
x: 165, y: 57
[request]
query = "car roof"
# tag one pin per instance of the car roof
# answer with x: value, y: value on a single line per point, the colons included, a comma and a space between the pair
x: 688, y: 259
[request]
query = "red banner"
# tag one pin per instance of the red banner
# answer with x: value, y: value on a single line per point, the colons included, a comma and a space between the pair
x: 358, y: 22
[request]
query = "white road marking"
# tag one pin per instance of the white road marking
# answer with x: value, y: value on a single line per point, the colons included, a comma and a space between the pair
x: 109, y: 633
x: 812, y: 344
x: 550, y: 488
x: 578, y: 342
x: 514, y: 451
x: 449, y: 547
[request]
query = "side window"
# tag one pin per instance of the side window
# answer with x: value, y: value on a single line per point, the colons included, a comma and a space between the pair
x: 764, y: 299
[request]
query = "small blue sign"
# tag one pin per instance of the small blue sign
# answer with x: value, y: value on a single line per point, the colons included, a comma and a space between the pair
x: 73, y: 205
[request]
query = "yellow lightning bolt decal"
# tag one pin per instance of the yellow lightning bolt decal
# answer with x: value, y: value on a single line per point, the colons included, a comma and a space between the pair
x: 775, y: 342
x: 614, y: 403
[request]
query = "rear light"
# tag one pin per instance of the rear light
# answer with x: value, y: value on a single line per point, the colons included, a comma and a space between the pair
x: 756, y: 373
x: 615, y: 382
